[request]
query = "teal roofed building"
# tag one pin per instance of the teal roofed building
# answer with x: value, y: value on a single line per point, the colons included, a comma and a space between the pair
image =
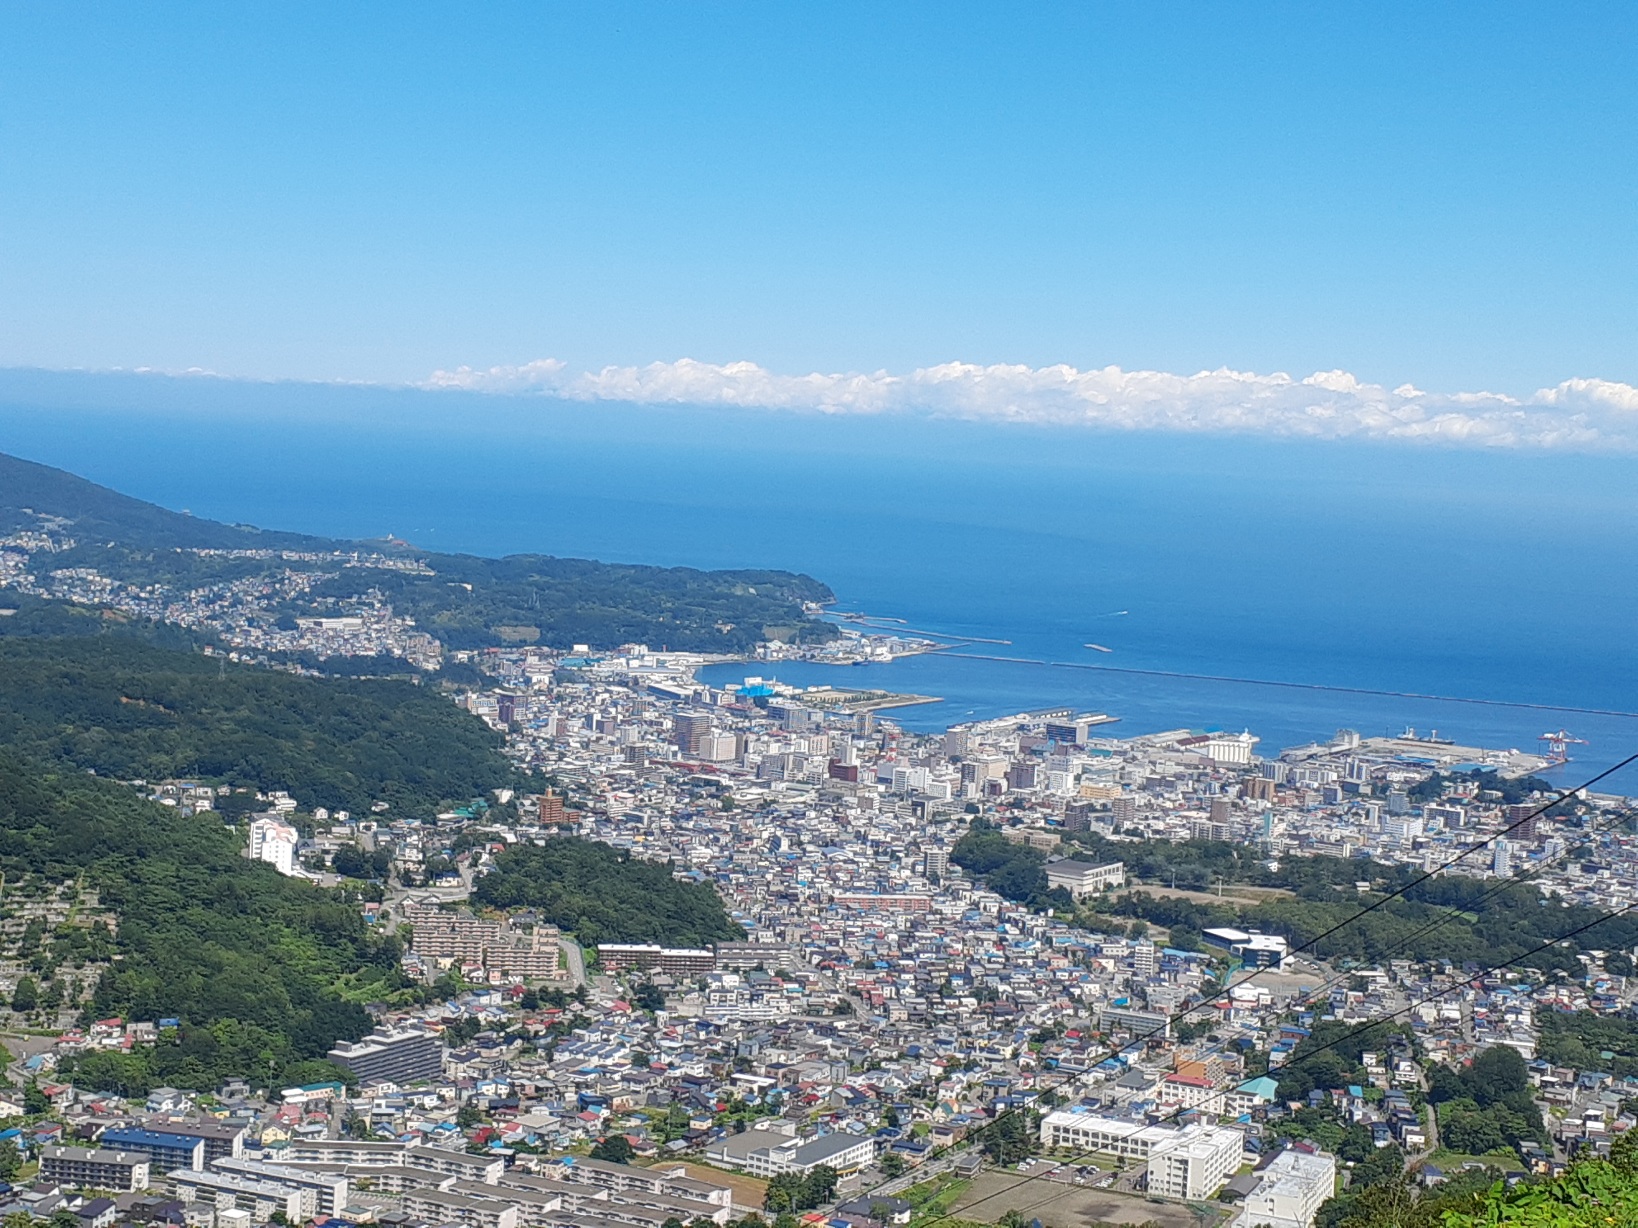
x: 1263, y: 1088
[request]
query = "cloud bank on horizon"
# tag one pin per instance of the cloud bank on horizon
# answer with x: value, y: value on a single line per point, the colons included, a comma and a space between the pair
x: 1577, y: 414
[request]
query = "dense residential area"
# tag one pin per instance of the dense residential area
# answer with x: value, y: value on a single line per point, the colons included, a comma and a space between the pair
x: 567, y: 937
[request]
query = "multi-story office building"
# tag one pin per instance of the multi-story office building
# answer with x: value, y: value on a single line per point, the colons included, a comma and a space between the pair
x: 689, y: 730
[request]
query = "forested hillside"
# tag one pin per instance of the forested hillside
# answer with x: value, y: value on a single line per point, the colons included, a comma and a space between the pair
x: 127, y: 709
x: 601, y: 894
x: 466, y: 601
x: 253, y: 963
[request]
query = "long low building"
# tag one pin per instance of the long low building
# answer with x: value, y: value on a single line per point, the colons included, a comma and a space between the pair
x: 164, y: 1151
x: 440, y: 1160
x: 231, y: 1192
x: 95, y: 1168
x: 768, y: 1152
x: 668, y: 1179
x: 443, y: 1206
x: 328, y: 1191
x: 1084, y: 878
x: 1114, y: 1136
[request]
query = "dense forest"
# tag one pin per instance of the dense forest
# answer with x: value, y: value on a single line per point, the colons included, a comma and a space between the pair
x: 601, y: 894
x: 1581, y: 1039
x: 265, y: 972
x: 126, y: 709
x: 467, y: 602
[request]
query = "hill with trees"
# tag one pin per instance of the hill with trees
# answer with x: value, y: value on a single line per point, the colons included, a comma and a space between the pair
x: 602, y: 894
x: 123, y: 708
x: 265, y: 972
x: 466, y: 601
x: 1320, y: 896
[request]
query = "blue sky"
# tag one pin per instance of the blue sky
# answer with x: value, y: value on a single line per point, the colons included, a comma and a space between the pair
x: 1442, y: 194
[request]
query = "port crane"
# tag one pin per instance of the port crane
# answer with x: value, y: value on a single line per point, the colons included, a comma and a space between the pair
x: 1558, y: 746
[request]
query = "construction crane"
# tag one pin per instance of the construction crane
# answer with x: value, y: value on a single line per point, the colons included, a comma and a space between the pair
x: 1558, y: 746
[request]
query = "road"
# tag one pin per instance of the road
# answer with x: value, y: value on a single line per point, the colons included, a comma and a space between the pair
x: 575, y: 957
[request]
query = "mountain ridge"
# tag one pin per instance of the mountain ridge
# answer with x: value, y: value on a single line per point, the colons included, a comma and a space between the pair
x: 465, y: 601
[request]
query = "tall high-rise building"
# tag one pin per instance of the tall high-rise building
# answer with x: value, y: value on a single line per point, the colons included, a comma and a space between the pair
x: 275, y: 843
x: 552, y: 809
x: 1524, y: 814
x: 688, y: 731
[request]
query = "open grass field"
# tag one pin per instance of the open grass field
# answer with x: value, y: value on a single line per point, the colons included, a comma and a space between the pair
x: 748, y: 1191
x: 992, y: 1194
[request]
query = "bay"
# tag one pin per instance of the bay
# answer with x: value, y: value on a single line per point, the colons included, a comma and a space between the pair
x: 1501, y: 576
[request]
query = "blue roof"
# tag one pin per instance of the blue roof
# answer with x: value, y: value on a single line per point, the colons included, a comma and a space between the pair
x: 135, y: 1136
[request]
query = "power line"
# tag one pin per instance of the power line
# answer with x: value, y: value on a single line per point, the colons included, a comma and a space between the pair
x: 1369, y: 1026
x: 1183, y: 1013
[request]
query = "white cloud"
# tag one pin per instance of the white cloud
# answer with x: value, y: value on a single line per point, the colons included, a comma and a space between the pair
x: 1577, y: 414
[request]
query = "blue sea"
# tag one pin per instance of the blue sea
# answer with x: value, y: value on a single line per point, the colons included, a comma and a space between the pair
x: 1500, y: 576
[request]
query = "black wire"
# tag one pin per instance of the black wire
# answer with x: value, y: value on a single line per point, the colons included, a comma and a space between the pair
x: 1184, y: 1013
x: 1316, y: 1050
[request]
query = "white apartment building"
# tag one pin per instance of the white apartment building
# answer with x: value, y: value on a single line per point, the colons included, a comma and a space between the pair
x: 1289, y: 1191
x: 1115, y: 1136
x: 1194, y: 1162
x: 275, y: 843
x: 769, y: 1151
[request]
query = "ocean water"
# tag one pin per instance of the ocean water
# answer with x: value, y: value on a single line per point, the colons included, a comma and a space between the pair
x: 1497, y: 576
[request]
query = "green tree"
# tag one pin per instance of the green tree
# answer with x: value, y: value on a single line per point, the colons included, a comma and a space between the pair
x: 819, y: 1186
x: 26, y: 997
x: 1012, y: 1137
x: 892, y: 1165
x: 615, y: 1148
x: 648, y: 997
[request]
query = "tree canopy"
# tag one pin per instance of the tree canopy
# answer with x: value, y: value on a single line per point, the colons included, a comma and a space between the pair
x: 602, y: 894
